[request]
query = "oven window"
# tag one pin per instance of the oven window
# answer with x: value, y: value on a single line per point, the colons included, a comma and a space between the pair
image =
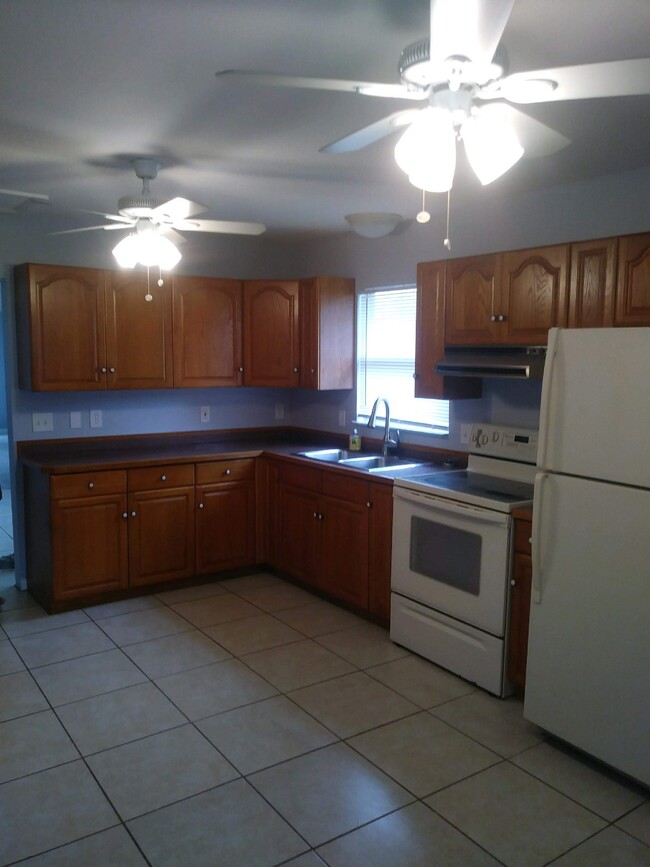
x: 446, y: 554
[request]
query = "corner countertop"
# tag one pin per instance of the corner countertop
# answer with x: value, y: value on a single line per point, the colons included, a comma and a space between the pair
x: 87, y: 455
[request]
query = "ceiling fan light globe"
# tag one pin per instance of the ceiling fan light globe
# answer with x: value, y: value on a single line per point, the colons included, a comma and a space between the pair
x: 126, y: 252
x: 491, y: 144
x: 427, y: 150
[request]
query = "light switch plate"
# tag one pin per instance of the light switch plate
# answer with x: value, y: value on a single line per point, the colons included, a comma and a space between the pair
x: 205, y: 414
x: 96, y: 418
x: 42, y: 421
x: 75, y: 419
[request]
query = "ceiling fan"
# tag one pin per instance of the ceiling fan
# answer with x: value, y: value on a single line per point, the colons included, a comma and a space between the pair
x: 155, y: 224
x: 460, y: 73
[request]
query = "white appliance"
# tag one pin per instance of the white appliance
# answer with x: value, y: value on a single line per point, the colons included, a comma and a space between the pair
x: 452, y: 551
x: 588, y: 673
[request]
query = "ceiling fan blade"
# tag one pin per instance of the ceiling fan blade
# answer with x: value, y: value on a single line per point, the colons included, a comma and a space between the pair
x: 20, y: 195
x: 117, y: 217
x: 177, y: 209
x: 372, y: 133
x: 537, y: 139
x: 108, y: 227
x: 366, y: 88
x: 467, y: 28
x: 228, y: 227
x: 589, y: 81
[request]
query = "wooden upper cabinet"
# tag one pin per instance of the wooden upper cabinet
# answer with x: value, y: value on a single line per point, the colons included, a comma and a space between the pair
x: 327, y: 333
x: 533, y: 294
x: 207, y: 332
x: 430, y: 338
x: 271, y: 337
x: 591, y: 290
x: 472, y: 289
x: 633, y: 282
x: 138, y: 332
x: 63, y: 311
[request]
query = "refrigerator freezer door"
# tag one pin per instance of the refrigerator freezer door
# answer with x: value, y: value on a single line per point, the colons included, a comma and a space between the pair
x: 588, y: 673
x: 595, y: 416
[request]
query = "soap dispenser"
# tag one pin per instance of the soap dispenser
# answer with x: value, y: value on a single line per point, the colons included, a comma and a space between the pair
x: 355, y: 441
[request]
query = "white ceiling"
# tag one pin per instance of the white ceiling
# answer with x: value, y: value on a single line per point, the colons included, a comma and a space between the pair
x: 87, y: 84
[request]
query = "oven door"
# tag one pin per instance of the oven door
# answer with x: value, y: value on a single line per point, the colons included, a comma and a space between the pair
x: 452, y: 557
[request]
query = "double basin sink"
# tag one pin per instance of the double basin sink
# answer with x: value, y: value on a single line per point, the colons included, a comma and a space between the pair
x: 359, y: 461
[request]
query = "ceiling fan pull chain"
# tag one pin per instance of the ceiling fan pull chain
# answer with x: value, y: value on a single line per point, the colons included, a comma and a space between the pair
x: 160, y: 276
x: 423, y: 216
x: 148, y: 296
x: 447, y: 241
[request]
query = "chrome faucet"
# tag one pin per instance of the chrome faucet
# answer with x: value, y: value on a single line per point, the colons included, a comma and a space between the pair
x: 388, y: 441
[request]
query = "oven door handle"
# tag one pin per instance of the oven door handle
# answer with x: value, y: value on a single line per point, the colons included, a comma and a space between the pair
x: 451, y: 507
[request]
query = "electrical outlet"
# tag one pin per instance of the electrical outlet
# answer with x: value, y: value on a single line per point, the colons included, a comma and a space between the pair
x: 279, y: 411
x: 42, y: 421
x: 465, y: 434
x: 341, y: 418
x: 75, y: 420
x: 96, y: 418
x: 205, y: 414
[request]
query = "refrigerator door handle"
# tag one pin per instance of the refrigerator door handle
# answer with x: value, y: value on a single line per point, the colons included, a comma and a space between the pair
x: 545, y: 407
x: 536, y: 540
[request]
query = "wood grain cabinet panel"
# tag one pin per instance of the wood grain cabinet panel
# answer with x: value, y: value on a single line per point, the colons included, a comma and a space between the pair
x: 271, y: 336
x: 225, y: 516
x: 472, y: 288
x: 327, y: 331
x: 380, y: 533
x: 138, y: 332
x: 61, y: 324
x: 207, y: 332
x: 633, y: 281
x: 534, y: 293
x: 520, y: 593
x: 591, y: 290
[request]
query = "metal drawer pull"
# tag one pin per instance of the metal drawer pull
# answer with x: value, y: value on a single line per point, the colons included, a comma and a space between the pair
x: 125, y: 514
x: 112, y: 369
x: 91, y: 484
x: 228, y: 472
x: 200, y: 505
x: 163, y: 478
x: 133, y: 514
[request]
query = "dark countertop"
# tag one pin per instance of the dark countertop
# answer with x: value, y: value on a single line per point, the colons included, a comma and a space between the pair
x: 83, y: 455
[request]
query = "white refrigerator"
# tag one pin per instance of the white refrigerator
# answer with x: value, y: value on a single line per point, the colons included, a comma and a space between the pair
x: 588, y: 672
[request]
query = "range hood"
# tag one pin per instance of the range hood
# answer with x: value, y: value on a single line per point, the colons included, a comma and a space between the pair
x: 496, y: 362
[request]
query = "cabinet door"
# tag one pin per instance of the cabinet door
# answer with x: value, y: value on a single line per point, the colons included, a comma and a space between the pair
x: 138, y: 332
x: 533, y: 294
x: 63, y: 311
x: 344, y: 540
x: 327, y: 333
x: 271, y: 338
x: 225, y: 526
x: 89, y: 545
x: 519, y: 617
x: 430, y: 339
x: 380, y: 550
x: 471, y: 290
x: 633, y: 281
x: 207, y: 332
x: 161, y: 535
x: 591, y: 291
x: 298, y: 543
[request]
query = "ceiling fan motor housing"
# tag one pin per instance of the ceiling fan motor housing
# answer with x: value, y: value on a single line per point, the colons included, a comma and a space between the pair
x: 137, y: 206
x: 416, y: 70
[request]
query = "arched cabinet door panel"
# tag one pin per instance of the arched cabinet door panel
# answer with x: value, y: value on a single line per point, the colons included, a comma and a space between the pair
x: 271, y: 336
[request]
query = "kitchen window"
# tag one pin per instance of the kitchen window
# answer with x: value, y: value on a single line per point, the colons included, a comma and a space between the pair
x: 386, y: 361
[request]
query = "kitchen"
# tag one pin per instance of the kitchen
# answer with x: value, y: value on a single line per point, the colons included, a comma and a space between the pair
x: 481, y: 223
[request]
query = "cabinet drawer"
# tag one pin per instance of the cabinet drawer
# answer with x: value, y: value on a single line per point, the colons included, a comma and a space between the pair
x: 87, y: 484
x: 345, y: 487
x: 159, y: 478
x: 225, y: 471
x: 523, y: 531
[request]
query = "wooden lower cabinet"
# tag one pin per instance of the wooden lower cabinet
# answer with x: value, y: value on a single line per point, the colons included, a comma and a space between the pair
x: 333, y: 532
x: 521, y: 583
x: 89, y: 534
x: 225, y: 515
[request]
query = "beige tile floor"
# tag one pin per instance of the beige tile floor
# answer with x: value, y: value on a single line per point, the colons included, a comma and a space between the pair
x: 249, y: 723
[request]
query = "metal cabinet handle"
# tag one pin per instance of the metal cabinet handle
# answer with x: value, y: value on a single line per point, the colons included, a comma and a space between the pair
x: 103, y: 370
x: 112, y: 369
x: 200, y: 505
x: 295, y: 370
x: 313, y: 370
x: 228, y: 472
x: 241, y: 369
x: 133, y: 514
x: 125, y: 514
x: 368, y: 505
x: 501, y: 317
x: 91, y: 484
x: 163, y: 478
x: 493, y: 318
x: 513, y: 583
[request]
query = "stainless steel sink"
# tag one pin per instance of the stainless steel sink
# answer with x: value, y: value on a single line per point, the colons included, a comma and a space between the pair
x: 356, y: 461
